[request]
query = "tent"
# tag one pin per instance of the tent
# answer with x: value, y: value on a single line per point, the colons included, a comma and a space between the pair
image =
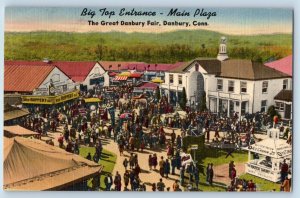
x: 31, y: 164
x: 272, y: 151
x: 16, y: 130
x: 11, y: 113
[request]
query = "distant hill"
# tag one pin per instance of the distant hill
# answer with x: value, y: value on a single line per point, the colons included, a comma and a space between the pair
x: 167, y: 47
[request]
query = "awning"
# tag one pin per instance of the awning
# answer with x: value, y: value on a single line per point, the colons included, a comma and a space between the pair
x: 121, y: 78
x: 135, y: 75
x: 157, y: 80
x: 90, y: 100
x: 127, y: 74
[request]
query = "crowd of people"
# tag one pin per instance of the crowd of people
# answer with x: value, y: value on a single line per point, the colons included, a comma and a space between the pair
x: 142, y: 127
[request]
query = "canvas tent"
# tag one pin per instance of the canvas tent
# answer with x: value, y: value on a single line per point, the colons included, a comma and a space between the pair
x: 272, y: 151
x: 16, y: 130
x: 33, y: 165
x: 11, y: 113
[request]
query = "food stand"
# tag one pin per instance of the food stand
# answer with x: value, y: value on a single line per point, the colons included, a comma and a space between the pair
x: 271, y: 151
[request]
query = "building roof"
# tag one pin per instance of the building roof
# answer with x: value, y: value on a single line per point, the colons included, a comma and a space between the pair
x: 76, y: 70
x: 152, y: 67
x: 31, y: 164
x: 284, y: 65
x: 248, y: 70
x: 25, y: 78
x: 11, y: 112
x: 17, y: 130
x: 234, y: 68
x: 114, y: 65
x: 285, y: 95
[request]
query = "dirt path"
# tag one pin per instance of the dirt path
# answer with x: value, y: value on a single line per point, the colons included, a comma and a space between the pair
x: 222, y: 173
x: 147, y: 176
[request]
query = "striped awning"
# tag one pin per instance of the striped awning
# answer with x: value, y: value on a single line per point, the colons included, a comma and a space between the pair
x: 121, y: 78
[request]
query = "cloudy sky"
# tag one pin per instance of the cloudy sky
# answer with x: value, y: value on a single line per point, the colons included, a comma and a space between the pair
x: 238, y: 21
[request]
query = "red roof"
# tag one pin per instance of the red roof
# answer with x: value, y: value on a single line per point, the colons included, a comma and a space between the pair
x: 148, y: 85
x: 114, y: 65
x: 284, y: 65
x: 25, y: 78
x: 76, y: 70
x: 153, y: 67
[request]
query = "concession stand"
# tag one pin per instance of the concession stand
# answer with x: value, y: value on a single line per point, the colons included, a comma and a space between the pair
x: 268, y: 154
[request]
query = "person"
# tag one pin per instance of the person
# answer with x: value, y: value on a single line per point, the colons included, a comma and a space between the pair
x: 196, y: 176
x: 137, y: 170
x: 181, y: 175
x: 231, y: 164
x: 117, y: 182
x: 154, y: 161
x: 89, y: 156
x: 233, y: 173
x: 160, y: 185
x: 173, y: 137
x: 251, y: 186
x: 161, y: 166
x: 108, y: 181
x: 125, y: 163
x: 176, y: 185
x: 126, y: 178
x: 286, y: 185
x: 207, y: 173
x: 211, y: 174
x: 154, y: 187
x: 284, y: 170
x: 173, y: 165
x: 131, y: 161
x: 150, y: 162
x: 166, y: 168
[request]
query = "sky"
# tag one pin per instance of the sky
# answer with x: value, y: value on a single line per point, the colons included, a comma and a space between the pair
x: 236, y: 21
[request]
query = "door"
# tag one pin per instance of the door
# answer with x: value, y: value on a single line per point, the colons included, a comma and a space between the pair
x: 287, y: 112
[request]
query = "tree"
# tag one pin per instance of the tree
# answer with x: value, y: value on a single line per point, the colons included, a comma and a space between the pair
x: 183, y: 100
x: 272, y: 112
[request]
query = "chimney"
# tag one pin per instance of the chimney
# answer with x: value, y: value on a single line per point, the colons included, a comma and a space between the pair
x: 222, y: 55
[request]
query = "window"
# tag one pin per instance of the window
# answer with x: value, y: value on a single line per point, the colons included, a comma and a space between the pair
x: 55, y: 78
x: 171, y: 80
x: 180, y: 79
x: 263, y: 106
x: 285, y: 84
x: 220, y: 84
x: 265, y: 87
x: 279, y: 106
x: 231, y: 86
x: 243, y: 87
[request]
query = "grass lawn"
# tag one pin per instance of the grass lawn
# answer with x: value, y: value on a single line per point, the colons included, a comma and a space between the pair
x: 262, y: 184
x: 108, y: 160
x: 217, y: 157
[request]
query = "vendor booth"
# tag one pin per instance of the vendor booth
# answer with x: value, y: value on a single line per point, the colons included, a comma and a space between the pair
x: 268, y: 156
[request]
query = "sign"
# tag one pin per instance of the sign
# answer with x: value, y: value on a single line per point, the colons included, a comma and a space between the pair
x: 262, y: 172
x: 194, y: 146
x: 48, y: 100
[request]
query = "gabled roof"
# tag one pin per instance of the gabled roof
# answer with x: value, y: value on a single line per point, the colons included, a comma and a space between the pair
x: 234, y: 68
x: 31, y: 164
x: 285, y: 95
x: 211, y: 65
x: 284, y: 65
x: 248, y: 70
x: 76, y: 70
x: 25, y: 78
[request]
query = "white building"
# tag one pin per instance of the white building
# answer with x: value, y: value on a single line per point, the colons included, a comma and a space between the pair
x: 229, y: 85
